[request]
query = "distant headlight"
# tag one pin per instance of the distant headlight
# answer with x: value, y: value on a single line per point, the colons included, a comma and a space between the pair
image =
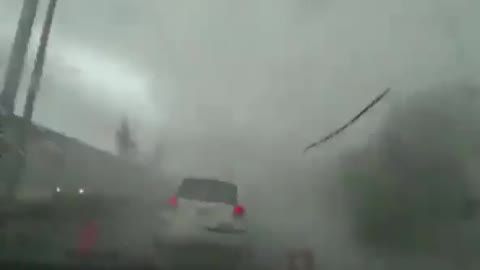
x: 58, y: 189
x: 81, y: 191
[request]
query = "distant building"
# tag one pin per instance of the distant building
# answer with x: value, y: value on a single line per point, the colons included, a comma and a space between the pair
x: 55, y: 159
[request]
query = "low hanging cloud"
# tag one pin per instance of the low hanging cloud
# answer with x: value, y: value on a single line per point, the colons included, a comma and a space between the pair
x: 413, y: 187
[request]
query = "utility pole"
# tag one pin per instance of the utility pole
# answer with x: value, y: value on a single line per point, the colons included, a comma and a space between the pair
x: 23, y: 129
x: 9, y: 92
x: 37, y: 72
x: 16, y: 61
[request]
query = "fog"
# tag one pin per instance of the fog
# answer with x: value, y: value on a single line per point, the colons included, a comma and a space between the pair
x: 236, y: 90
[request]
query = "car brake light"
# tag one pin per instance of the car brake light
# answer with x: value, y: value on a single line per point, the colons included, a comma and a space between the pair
x: 239, y: 210
x: 173, y: 201
x: 88, y: 237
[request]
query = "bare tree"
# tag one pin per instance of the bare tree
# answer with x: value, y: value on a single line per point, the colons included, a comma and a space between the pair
x: 126, y: 145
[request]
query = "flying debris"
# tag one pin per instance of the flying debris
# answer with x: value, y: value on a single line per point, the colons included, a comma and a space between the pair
x: 336, y: 132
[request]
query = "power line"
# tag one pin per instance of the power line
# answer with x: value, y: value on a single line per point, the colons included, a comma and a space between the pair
x: 339, y: 130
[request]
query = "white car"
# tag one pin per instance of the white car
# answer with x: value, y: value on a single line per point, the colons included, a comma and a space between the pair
x: 204, y: 225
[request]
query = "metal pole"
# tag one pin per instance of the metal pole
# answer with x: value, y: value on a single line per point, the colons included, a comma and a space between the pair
x: 37, y: 72
x: 23, y: 129
x: 16, y: 61
x: 9, y: 92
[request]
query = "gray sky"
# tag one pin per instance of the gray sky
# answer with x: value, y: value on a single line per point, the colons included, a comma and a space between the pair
x: 263, y: 77
x: 226, y: 82
x: 256, y: 68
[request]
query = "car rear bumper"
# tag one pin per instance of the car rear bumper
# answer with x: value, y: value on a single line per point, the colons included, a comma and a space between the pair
x: 215, y: 250
x: 205, y: 236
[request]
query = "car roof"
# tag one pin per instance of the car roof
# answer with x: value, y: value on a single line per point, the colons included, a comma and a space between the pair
x: 205, y: 179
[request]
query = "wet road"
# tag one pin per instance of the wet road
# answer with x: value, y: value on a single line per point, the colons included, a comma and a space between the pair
x: 37, y: 235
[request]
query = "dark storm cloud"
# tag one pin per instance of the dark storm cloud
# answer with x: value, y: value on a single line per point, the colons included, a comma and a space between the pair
x: 414, y: 187
x: 84, y: 75
x: 273, y: 73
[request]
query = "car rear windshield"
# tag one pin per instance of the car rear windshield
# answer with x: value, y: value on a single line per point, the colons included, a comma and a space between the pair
x: 208, y: 190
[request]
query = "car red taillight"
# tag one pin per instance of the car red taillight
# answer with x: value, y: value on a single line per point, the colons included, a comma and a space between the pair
x: 239, y: 211
x: 173, y: 201
x: 88, y: 237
